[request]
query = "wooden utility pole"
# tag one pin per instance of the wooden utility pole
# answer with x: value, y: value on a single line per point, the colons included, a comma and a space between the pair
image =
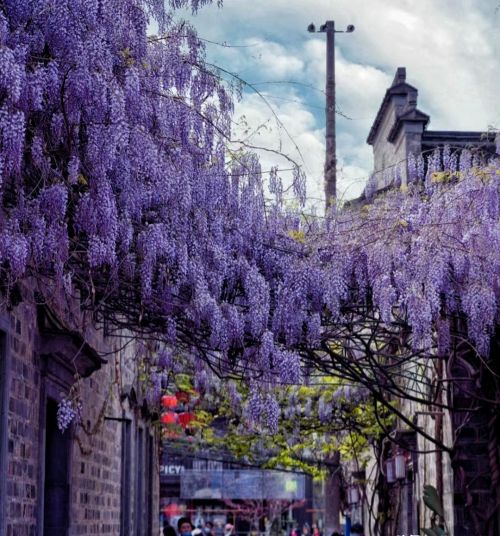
x: 331, y: 149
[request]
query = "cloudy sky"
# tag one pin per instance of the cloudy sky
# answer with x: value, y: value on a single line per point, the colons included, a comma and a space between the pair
x: 450, y: 49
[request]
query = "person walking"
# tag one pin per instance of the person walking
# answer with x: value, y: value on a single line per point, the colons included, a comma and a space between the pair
x: 208, y: 529
x: 357, y: 529
x: 184, y: 526
x: 168, y: 530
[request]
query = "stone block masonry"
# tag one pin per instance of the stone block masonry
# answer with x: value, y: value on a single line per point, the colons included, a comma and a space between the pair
x: 72, y: 483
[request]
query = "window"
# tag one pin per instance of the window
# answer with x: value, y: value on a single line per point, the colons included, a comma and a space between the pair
x: 56, y: 482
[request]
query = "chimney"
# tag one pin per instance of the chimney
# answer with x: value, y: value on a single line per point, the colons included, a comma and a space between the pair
x: 411, y: 100
x: 400, y: 77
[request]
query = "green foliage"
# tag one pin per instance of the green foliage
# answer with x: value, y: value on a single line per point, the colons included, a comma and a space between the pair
x: 434, y: 531
x: 304, y: 441
x: 433, y: 502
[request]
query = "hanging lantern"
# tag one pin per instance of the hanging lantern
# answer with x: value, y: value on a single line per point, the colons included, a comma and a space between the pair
x: 400, y: 466
x: 185, y: 419
x: 169, y: 401
x: 172, y: 510
x: 168, y: 418
x: 353, y: 495
x: 182, y: 396
x: 390, y: 470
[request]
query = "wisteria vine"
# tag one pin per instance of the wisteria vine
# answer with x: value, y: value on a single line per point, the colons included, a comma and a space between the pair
x: 116, y: 186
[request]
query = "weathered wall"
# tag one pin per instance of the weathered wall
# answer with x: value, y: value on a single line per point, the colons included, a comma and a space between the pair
x: 387, y: 155
x: 97, y: 498
x: 476, y: 453
x: 23, y: 428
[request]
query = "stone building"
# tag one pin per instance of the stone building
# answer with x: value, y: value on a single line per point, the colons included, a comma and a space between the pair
x: 400, y: 129
x: 98, y: 477
x: 466, y: 475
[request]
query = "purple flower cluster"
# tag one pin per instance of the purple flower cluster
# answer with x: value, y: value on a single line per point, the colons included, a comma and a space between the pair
x: 66, y: 414
x: 114, y: 178
x: 263, y: 410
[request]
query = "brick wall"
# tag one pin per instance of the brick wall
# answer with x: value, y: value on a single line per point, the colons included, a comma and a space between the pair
x: 95, y: 452
x: 23, y: 423
x: 96, y: 462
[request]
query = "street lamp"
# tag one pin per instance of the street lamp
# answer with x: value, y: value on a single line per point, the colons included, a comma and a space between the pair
x: 352, y: 495
x: 390, y: 471
x: 331, y: 158
x: 400, y: 466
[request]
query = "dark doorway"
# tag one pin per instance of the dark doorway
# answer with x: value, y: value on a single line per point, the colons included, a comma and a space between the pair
x: 56, y: 485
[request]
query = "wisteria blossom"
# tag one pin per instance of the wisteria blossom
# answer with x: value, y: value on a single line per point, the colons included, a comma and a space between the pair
x: 117, y: 185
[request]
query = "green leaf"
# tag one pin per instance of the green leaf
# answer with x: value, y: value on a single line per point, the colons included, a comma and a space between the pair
x: 431, y: 499
x: 434, y: 531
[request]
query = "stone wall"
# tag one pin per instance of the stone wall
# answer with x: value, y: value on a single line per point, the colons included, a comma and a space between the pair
x: 476, y: 455
x: 104, y: 496
x: 23, y: 388
x: 387, y: 155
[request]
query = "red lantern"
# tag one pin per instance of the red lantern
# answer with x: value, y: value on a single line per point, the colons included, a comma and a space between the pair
x: 172, y: 510
x: 182, y: 396
x: 185, y: 419
x: 168, y: 418
x: 169, y: 401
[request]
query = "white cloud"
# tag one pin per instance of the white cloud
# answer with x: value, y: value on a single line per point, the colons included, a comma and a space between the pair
x: 359, y: 88
x: 450, y: 50
x: 274, y: 60
x: 293, y: 134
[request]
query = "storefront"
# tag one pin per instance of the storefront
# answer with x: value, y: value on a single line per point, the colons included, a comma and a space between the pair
x: 221, y: 492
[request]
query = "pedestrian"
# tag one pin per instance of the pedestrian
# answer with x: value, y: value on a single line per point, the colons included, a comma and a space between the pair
x: 228, y: 529
x: 168, y: 530
x: 316, y: 531
x: 184, y: 526
x: 357, y: 529
x: 305, y: 529
x: 208, y: 529
x: 294, y: 531
x: 218, y: 529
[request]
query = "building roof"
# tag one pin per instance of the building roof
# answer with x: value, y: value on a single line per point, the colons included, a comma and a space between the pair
x: 410, y: 115
x: 399, y: 87
x: 454, y: 137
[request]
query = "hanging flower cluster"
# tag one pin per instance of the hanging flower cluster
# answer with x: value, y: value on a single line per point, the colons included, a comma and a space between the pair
x: 67, y: 412
x: 115, y: 182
